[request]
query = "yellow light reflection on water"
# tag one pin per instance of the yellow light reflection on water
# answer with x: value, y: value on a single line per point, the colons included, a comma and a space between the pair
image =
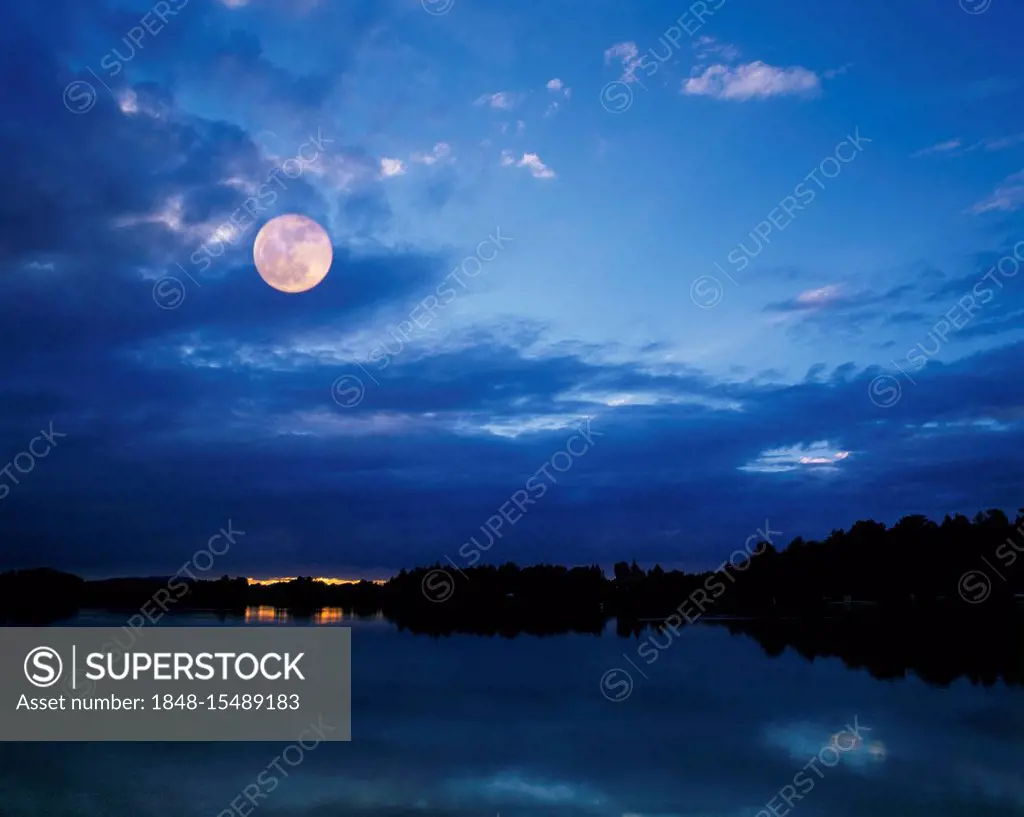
x: 329, y: 615
x: 264, y: 614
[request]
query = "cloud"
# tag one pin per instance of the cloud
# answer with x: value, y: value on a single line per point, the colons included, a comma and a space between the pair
x: 1007, y: 197
x: 628, y: 55
x: 755, y: 80
x: 625, y: 51
x: 832, y: 73
x: 221, y: 392
x: 998, y: 143
x: 441, y: 152
x: 826, y: 297
x: 128, y: 101
x: 705, y: 47
x: 814, y: 298
x: 531, y: 161
x: 942, y: 148
x: 499, y: 101
x: 839, y: 311
x: 556, y: 86
x: 344, y: 172
x: 391, y: 167
x: 791, y: 458
x: 956, y: 147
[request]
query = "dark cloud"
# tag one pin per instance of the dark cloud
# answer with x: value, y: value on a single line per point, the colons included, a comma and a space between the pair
x: 411, y: 473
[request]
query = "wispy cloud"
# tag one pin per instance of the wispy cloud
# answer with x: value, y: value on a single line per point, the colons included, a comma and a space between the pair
x: 998, y: 143
x: 753, y: 80
x: 628, y: 55
x: 1007, y: 197
x: 706, y: 47
x: 957, y: 147
x: 780, y: 460
x: 499, y: 101
x: 441, y: 152
x: 942, y: 148
x: 830, y: 297
x: 832, y: 73
x: 822, y: 296
x: 624, y: 51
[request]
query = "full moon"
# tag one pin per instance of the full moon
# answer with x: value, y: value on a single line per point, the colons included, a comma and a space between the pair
x: 292, y: 253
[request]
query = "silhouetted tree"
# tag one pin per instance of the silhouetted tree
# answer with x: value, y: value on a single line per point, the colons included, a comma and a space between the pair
x: 913, y: 570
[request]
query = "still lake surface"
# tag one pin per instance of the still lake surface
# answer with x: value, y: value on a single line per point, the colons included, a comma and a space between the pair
x: 469, y: 725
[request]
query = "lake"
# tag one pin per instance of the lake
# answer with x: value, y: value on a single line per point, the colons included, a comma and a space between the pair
x: 471, y: 725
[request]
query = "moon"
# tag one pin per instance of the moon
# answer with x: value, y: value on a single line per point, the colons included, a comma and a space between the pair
x: 292, y: 253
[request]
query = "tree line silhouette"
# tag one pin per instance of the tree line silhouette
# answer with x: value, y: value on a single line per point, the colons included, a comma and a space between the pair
x: 918, y: 594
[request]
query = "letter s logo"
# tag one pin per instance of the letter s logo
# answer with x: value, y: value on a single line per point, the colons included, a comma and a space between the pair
x: 39, y: 667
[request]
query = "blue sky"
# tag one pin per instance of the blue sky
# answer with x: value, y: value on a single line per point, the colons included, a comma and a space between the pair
x: 597, y: 171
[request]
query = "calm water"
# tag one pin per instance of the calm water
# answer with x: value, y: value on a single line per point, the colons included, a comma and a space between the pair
x: 480, y: 726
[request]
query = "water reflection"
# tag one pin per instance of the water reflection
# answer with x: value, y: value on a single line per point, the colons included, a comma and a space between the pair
x: 465, y: 726
x: 329, y: 615
x: 266, y: 615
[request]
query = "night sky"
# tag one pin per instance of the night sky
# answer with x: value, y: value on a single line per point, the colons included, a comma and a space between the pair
x: 766, y: 254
